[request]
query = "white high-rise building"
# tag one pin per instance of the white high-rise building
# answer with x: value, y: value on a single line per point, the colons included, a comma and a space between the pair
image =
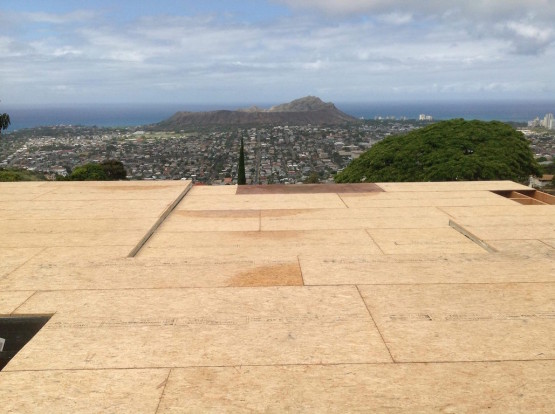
x: 548, y: 121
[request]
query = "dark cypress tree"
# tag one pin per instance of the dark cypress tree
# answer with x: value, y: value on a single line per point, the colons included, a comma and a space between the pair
x: 241, y: 178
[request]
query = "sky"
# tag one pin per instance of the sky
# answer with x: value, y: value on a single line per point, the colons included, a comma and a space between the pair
x: 247, y: 51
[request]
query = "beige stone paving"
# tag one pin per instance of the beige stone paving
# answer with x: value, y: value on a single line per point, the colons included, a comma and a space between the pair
x: 12, y: 258
x: 75, y: 239
x: 428, y: 241
x: 391, y: 388
x: 514, y: 210
x: 212, y: 220
x: 105, y: 391
x: 192, y: 327
x: 426, y: 269
x: 374, y: 200
x: 352, y: 218
x: 453, y: 186
x: 526, y: 248
x: 9, y: 301
x: 49, y: 226
x: 261, y: 201
x: 209, y: 289
x: 277, y: 243
x: 212, y: 190
x: 46, y: 273
x: 424, y: 323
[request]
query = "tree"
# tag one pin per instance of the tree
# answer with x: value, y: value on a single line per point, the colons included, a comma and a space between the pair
x: 4, y: 122
x: 241, y: 177
x: 114, y: 170
x: 313, y: 178
x: 88, y: 172
x: 447, y: 151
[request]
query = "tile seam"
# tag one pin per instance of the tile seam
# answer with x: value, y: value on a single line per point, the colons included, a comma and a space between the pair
x: 330, y: 364
x: 164, y: 390
x: 375, y: 324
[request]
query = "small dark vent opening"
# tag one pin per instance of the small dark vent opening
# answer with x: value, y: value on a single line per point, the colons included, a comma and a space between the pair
x: 15, y: 332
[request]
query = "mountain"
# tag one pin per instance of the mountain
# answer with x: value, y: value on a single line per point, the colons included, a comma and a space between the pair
x: 303, y: 111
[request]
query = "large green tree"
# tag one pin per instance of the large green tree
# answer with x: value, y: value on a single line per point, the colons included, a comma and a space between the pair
x: 447, y: 151
x: 4, y: 122
x: 241, y: 177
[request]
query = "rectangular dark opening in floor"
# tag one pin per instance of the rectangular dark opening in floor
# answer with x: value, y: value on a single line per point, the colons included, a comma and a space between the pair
x: 528, y: 197
x: 15, y: 332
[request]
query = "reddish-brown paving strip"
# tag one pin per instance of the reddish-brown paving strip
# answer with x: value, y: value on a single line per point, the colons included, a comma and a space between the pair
x: 308, y: 188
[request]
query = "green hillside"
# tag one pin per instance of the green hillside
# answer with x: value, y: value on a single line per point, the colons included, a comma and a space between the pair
x: 446, y: 151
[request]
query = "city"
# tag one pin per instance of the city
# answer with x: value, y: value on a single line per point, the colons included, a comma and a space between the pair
x: 280, y: 154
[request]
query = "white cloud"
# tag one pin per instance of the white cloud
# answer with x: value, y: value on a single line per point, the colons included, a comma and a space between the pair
x: 398, y: 53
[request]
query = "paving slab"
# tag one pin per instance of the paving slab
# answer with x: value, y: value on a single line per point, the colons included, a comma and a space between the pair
x: 12, y: 258
x: 12, y: 226
x: 352, y: 218
x: 104, y: 391
x: 522, y: 232
x: 273, y: 243
x: 123, y: 190
x: 385, y: 200
x: 454, y: 186
x: 308, y: 188
x: 200, y: 327
x: 73, y: 239
x: 514, y: 210
x: 538, y: 249
x: 212, y: 220
x: 133, y: 273
x: 260, y: 202
x: 212, y: 190
x: 426, y: 269
x: 382, y: 388
x: 10, y: 301
x: 425, y: 323
x: 427, y: 241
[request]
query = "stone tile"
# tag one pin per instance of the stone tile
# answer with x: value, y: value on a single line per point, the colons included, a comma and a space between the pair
x: 75, y: 239
x: 105, y: 391
x: 386, y: 200
x: 530, y: 248
x: 10, y: 301
x: 524, y: 232
x: 200, y: 327
x: 212, y: 220
x: 142, y: 273
x: 122, y: 190
x: 106, y: 225
x: 476, y: 322
x: 83, y: 210
x: 260, y: 202
x: 383, y: 388
x: 423, y: 241
x: 426, y: 269
x: 212, y: 190
x: 454, y: 186
x: 514, y: 210
x: 352, y: 218
x: 271, y: 243
x: 11, y: 258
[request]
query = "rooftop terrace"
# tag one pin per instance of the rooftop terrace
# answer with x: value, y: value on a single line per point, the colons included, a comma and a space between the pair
x: 388, y: 297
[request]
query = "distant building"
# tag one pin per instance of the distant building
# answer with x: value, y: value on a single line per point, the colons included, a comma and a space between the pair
x: 548, y: 121
x: 424, y: 117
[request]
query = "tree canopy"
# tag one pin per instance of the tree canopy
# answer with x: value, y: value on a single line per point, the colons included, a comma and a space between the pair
x: 109, y: 170
x: 446, y: 151
x: 4, y: 122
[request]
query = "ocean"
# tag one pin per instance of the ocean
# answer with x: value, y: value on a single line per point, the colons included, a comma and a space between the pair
x: 130, y: 115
